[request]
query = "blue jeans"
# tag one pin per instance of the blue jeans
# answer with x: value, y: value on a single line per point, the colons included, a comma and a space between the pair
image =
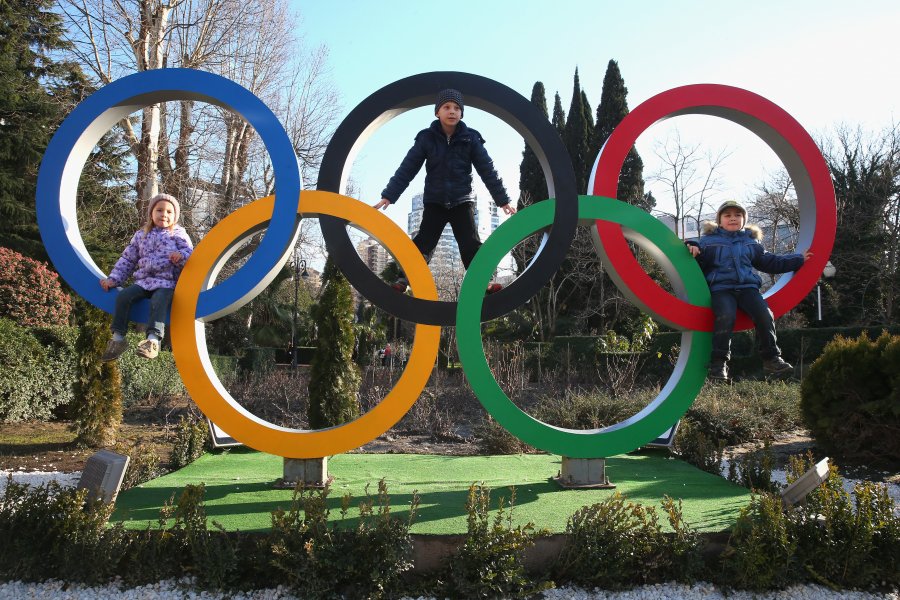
x: 724, y: 306
x: 160, y: 301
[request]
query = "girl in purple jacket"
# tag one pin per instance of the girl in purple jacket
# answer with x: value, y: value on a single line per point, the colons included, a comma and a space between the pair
x: 155, y: 256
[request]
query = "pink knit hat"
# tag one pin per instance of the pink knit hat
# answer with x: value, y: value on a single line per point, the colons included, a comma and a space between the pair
x: 160, y: 198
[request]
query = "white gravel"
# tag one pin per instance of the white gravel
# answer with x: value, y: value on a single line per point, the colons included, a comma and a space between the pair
x: 171, y: 589
x: 36, y: 478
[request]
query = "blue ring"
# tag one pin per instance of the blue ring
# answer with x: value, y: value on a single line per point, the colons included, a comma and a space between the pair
x: 82, y: 129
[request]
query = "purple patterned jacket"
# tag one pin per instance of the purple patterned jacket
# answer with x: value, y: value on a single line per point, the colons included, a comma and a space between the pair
x: 147, y: 257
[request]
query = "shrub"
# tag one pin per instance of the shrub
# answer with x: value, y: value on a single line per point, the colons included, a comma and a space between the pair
x: 699, y: 449
x: 842, y: 540
x: 833, y: 538
x: 747, y: 410
x: 851, y: 397
x: 588, y: 410
x: 754, y: 469
x: 615, y: 543
x: 49, y: 532
x: 761, y: 549
x: 37, y: 375
x: 191, y: 440
x: 493, y: 438
x: 323, y: 561
x: 490, y: 563
x: 144, y: 464
x: 97, y: 390
x: 30, y: 293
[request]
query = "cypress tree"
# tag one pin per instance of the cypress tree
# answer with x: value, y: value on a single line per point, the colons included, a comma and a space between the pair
x: 612, y: 109
x: 578, y: 137
x: 559, y: 117
x: 334, y: 377
x: 97, y: 389
x: 532, y: 184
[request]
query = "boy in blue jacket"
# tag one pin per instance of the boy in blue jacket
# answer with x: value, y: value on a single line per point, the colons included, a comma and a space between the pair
x: 728, y: 251
x: 449, y: 150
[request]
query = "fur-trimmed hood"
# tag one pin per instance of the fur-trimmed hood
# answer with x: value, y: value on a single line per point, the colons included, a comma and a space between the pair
x: 709, y: 227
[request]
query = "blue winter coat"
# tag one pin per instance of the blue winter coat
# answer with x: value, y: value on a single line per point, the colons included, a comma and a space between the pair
x: 728, y: 258
x: 448, y: 167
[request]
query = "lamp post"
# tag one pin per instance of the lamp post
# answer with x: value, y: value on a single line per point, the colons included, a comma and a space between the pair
x: 827, y: 273
x: 299, y: 271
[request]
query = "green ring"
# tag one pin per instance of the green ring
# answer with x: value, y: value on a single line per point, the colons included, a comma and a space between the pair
x: 675, y: 397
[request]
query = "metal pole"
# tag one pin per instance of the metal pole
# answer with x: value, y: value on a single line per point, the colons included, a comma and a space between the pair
x: 294, y: 319
x: 819, y: 299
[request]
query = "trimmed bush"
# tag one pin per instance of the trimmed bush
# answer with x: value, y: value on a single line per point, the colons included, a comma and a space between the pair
x: 835, y: 539
x: 615, y: 544
x: 37, y: 372
x: 319, y: 559
x: 191, y: 436
x: 52, y: 532
x: 334, y: 378
x: 97, y: 390
x: 491, y: 561
x: 30, y: 293
x: 39, y: 369
x: 851, y: 398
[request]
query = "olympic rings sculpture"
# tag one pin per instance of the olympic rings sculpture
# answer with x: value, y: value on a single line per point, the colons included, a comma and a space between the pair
x: 197, y: 300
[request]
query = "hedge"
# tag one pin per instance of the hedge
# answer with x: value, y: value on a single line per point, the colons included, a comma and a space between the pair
x: 800, y: 347
x: 39, y: 370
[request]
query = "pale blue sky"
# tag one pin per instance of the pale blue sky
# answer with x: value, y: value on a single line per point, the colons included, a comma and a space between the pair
x: 825, y: 62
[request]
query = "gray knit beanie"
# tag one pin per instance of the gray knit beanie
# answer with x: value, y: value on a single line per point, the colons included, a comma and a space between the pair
x: 449, y: 95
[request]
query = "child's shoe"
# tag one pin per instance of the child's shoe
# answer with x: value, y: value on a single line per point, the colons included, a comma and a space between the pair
x: 718, y: 371
x: 777, y: 366
x: 114, y: 349
x: 401, y: 285
x: 148, y: 349
x: 494, y: 287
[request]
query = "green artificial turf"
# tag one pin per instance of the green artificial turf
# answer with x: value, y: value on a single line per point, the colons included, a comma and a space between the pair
x: 240, y: 496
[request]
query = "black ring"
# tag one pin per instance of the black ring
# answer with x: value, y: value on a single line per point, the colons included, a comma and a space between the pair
x: 502, y: 102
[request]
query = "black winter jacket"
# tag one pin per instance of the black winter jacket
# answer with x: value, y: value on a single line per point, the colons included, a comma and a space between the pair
x: 448, y: 167
x: 728, y: 258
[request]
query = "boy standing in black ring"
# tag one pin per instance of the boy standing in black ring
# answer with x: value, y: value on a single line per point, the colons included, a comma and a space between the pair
x: 449, y: 150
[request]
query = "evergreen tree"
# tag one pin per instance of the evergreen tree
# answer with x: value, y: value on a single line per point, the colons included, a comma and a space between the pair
x: 532, y: 183
x: 36, y: 93
x: 97, y: 389
x: 577, y: 137
x: 612, y: 109
x: 559, y: 117
x: 334, y: 377
x: 29, y: 33
x: 865, y: 175
x: 588, y: 113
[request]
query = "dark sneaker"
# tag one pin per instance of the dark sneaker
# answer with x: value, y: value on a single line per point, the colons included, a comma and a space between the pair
x: 148, y: 349
x: 114, y: 349
x: 494, y: 287
x: 401, y: 285
x: 777, y: 366
x: 718, y: 371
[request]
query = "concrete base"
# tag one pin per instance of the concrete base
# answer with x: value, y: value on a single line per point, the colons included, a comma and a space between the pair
x: 588, y: 473
x: 310, y: 472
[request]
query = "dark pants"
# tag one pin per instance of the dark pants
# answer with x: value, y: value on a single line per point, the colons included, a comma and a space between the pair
x: 160, y: 301
x: 462, y: 220
x: 724, y: 306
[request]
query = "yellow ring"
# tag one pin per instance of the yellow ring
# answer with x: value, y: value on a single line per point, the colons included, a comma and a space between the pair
x: 192, y: 357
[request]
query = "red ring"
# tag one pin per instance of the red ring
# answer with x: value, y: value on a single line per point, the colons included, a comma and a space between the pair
x: 788, y: 140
